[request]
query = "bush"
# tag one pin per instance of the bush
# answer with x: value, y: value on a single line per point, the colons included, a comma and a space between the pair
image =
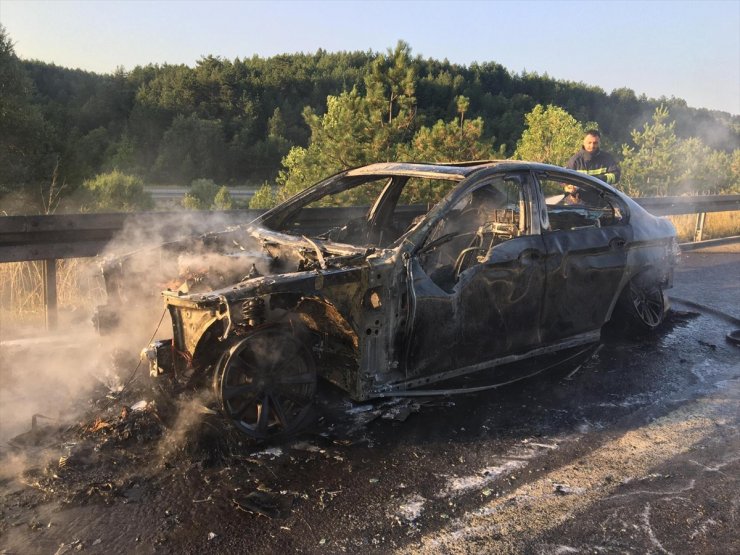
x: 264, y: 197
x: 116, y: 191
x: 223, y: 200
x: 201, y: 195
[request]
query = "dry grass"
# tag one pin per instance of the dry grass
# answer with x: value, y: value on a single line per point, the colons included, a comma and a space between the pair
x: 716, y: 224
x: 79, y: 289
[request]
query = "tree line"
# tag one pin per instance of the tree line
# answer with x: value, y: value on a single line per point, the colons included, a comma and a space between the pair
x: 72, y: 139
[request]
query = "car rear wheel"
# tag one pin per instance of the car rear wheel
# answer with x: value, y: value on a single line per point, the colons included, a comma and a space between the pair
x: 643, y: 305
x: 266, y: 383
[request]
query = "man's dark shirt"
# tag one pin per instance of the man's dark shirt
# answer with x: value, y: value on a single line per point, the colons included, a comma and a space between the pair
x: 598, y: 164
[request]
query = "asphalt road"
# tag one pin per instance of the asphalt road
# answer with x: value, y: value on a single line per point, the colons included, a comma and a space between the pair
x: 632, y: 449
x: 711, y: 277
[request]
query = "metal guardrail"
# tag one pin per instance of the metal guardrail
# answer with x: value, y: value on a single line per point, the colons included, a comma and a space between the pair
x: 165, y: 193
x: 25, y: 238
x: 719, y: 242
x: 699, y: 205
x: 50, y: 238
x: 674, y: 206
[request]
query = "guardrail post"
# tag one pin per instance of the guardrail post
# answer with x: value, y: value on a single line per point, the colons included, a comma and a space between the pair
x: 50, y: 293
x: 699, y: 230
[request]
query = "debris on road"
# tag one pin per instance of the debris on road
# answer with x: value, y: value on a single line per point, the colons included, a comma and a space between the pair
x: 411, y: 508
x: 562, y: 489
x: 267, y: 504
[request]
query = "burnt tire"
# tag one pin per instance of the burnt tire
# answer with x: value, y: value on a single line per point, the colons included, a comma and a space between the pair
x: 642, y: 306
x: 266, y: 384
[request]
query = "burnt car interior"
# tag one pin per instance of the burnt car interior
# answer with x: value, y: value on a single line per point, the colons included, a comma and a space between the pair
x: 482, y: 219
x: 573, y: 204
x: 381, y: 209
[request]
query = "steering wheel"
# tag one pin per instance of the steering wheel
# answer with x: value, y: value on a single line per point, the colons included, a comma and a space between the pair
x: 466, y: 260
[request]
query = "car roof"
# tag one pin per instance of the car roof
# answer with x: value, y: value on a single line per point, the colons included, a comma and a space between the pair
x: 456, y: 170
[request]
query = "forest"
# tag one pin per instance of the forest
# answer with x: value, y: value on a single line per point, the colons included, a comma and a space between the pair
x: 72, y: 140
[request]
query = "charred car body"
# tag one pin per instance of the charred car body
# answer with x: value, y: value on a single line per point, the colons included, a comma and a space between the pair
x: 501, y: 268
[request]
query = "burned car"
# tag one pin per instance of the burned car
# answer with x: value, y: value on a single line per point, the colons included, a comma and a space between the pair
x: 384, y: 296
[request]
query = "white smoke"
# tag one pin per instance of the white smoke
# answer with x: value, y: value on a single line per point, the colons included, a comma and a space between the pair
x: 54, y: 374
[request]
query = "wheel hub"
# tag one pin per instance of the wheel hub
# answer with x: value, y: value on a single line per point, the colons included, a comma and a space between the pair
x: 266, y: 383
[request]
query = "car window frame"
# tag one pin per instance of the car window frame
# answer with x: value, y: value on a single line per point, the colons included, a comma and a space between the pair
x: 576, y: 179
x: 417, y: 237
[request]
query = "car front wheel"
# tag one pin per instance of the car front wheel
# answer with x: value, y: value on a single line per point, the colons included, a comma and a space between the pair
x: 266, y: 383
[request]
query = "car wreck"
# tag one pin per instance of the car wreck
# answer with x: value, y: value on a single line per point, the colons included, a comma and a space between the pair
x: 505, y: 266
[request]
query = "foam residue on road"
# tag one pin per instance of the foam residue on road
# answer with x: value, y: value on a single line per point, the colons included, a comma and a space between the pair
x: 459, y: 485
x: 504, y: 524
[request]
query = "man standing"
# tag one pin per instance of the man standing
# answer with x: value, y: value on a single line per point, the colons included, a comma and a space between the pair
x: 593, y: 161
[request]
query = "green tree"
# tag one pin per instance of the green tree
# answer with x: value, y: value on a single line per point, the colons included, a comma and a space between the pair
x: 449, y: 142
x: 341, y: 138
x: 391, y: 101
x: 91, y: 123
x: 660, y: 163
x: 443, y: 142
x: 356, y: 129
x: 734, y: 187
x: 116, y: 192
x: 25, y: 161
x: 649, y: 168
x: 264, y: 197
x: 463, y: 105
x: 391, y: 86
x: 223, y: 200
x: 551, y: 136
x: 701, y: 169
x: 201, y: 195
x: 192, y: 147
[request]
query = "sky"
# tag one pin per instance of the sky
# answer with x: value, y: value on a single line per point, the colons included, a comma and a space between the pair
x: 688, y: 50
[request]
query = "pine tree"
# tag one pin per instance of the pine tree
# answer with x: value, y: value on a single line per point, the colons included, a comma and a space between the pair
x: 650, y: 166
x: 551, y: 136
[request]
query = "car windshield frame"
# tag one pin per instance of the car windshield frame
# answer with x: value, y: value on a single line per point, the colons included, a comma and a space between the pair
x: 455, y: 171
x: 398, y: 176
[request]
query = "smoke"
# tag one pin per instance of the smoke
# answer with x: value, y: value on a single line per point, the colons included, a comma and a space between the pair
x: 152, y: 261
x: 49, y: 376
x: 58, y: 375
x: 224, y: 269
x: 188, y: 429
x: 13, y: 465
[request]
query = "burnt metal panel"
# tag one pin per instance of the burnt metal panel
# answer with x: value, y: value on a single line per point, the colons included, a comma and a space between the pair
x: 585, y: 269
x: 494, y: 309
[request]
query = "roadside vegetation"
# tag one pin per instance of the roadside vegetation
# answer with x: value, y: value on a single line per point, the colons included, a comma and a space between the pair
x: 716, y: 225
x: 79, y: 290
